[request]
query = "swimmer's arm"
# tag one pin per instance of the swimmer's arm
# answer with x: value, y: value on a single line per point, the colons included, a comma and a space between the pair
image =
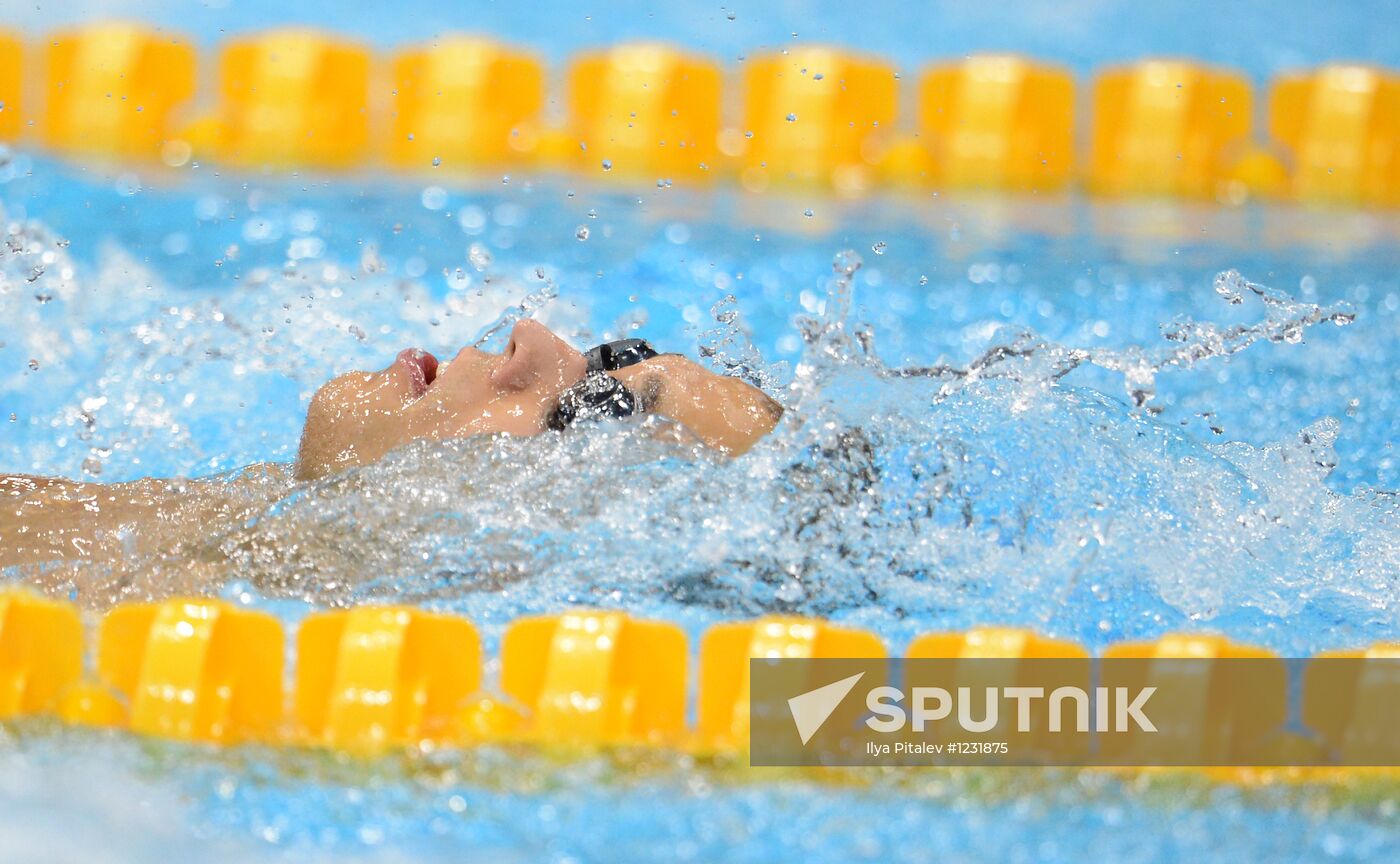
x: 725, y: 413
x: 50, y: 519
x: 46, y: 520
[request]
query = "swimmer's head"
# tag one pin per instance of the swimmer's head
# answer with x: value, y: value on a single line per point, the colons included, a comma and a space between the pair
x: 358, y: 417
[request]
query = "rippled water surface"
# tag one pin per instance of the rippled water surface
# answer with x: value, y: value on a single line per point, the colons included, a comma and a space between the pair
x: 1101, y: 421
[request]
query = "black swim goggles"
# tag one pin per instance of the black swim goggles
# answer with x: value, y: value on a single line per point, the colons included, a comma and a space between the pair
x: 599, y: 396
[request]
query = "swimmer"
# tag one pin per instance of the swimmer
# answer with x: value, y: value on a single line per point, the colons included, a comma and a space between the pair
x: 538, y: 385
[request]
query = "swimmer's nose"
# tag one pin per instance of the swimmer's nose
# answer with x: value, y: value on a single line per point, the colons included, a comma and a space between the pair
x: 535, y: 354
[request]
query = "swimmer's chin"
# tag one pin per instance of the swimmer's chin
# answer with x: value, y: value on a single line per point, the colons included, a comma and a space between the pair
x: 307, y: 470
x: 675, y: 440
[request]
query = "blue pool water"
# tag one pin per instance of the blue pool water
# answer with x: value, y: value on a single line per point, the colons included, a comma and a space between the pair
x: 1116, y: 450
x: 175, y: 324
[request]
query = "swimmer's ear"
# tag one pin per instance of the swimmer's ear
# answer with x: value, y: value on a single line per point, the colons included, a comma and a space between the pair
x: 598, y: 396
x: 555, y: 420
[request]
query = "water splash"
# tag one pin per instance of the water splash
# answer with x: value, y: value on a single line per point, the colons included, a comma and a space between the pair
x: 1193, y: 342
x: 904, y: 497
x: 731, y: 351
x: 136, y: 367
x: 492, y: 338
x: 1011, y: 484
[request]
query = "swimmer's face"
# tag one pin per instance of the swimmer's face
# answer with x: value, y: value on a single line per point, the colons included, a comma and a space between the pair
x: 358, y: 417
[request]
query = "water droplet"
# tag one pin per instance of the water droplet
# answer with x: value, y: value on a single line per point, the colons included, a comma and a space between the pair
x: 792, y: 118
x: 437, y: 160
x: 879, y: 247
x: 923, y: 280
x: 434, y: 198
x: 128, y: 184
x: 581, y: 233
x: 846, y: 263
x: 1231, y: 286
x: 678, y: 233
x: 607, y: 164
x: 808, y: 213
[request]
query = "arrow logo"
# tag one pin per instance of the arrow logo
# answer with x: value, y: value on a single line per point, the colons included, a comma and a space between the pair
x: 811, y: 709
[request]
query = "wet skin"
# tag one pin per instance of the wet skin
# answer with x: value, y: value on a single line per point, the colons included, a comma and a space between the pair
x: 358, y: 417
x: 355, y: 419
